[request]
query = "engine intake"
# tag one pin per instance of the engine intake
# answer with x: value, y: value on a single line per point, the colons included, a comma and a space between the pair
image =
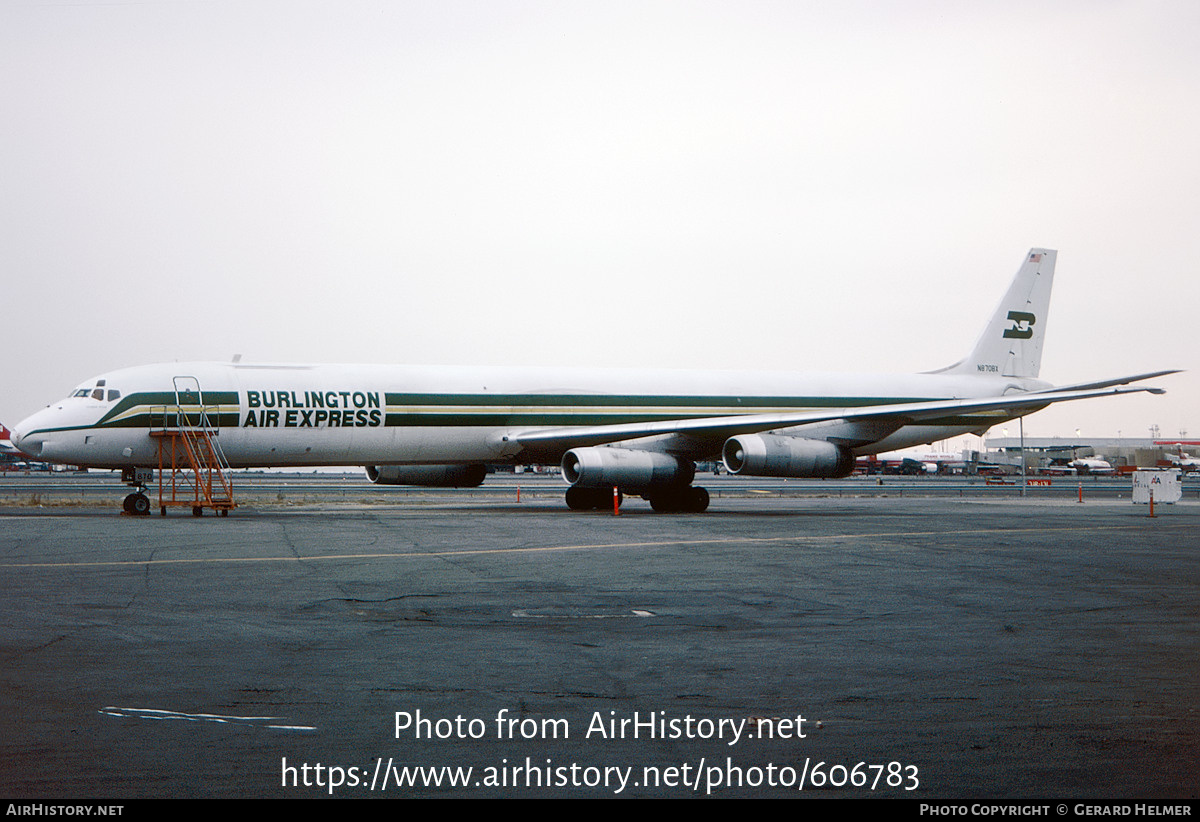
x: 432, y: 476
x: 626, y: 468
x: 769, y: 455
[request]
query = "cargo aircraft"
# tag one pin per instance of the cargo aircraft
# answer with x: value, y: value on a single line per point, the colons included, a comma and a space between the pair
x: 638, y: 431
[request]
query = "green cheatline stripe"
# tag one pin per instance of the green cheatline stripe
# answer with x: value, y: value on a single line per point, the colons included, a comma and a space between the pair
x: 500, y: 420
x: 729, y: 402
x: 528, y: 418
x: 535, y: 419
x: 155, y: 420
x: 144, y: 409
x: 732, y: 403
x: 168, y: 399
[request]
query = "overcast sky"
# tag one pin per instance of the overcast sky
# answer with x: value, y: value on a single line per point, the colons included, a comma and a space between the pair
x: 783, y: 185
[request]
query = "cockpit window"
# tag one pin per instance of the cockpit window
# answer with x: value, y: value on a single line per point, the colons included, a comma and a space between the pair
x: 96, y: 393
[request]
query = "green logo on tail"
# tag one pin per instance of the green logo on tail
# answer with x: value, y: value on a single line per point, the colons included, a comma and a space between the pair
x: 1022, y: 327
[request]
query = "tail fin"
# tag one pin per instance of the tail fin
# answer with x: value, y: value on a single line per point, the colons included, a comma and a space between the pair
x: 1011, y: 345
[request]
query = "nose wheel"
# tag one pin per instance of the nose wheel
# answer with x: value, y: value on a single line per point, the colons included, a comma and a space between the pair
x: 137, y: 504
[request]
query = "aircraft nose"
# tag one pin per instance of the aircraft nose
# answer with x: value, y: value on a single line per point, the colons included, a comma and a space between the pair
x: 23, y: 441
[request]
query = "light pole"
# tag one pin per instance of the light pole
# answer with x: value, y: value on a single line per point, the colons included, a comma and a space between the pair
x: 1023, y: 478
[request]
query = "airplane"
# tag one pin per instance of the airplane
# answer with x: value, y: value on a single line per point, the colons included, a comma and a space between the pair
x: 10, y: 457
x: 1185, y: 462
x: 1093, y: 465
x: 917, y: 461
x: 637, y: 431
x: 6, y: 446
x: 1083, y: 466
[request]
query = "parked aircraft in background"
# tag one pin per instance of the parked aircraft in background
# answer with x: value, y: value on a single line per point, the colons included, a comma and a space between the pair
x: 1083, y: 466
x: 1092, y: 465
x: 1185, y: 462
x: 640, y: 431
x: 918, y: 461
x: 8, y: 452
x: 6, y: 446
x: 11, y: 459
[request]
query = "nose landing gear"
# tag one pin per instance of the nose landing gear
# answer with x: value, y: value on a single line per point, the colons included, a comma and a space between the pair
x: 137, y: 504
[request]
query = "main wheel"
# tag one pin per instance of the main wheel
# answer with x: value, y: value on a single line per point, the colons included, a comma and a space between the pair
x: 691, y: 500
x: 579, y: 499
x: 664, y: 502
x: 589, y: 499
x: 696, y: 500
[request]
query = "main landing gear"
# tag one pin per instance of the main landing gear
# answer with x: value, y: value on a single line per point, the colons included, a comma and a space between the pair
x: 688, y: 499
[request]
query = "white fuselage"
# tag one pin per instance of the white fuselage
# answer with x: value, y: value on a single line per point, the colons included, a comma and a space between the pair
x: 314, y: 415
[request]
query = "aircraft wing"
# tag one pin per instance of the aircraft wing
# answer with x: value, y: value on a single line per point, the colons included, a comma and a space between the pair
x: 1087, y: 386
x: 728, y: 426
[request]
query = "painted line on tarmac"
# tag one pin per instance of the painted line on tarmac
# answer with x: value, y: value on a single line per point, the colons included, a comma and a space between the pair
x: 608, y: 546
x: 223, y: 719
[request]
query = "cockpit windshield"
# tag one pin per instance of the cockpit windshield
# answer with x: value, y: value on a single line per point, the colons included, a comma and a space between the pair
x: 99, y: 392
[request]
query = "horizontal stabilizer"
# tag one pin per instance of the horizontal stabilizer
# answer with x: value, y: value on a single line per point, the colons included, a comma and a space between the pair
x: 1087, y: 386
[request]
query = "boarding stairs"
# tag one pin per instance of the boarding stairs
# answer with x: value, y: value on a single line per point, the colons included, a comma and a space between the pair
x: 192, y: 469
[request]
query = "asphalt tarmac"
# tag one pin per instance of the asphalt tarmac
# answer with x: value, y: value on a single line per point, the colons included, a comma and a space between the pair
x: 923, y: 648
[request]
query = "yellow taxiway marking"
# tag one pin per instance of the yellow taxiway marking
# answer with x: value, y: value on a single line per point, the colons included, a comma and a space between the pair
x: 606, y: 546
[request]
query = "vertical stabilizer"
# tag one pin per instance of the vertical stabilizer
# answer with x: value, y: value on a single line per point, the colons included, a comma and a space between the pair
x: 1011, y: 345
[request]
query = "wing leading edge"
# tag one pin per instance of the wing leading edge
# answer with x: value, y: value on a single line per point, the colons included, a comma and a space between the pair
x: 561, y: 438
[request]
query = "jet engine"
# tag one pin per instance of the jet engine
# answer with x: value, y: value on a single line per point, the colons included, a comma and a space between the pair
x: 627, y: 468
x: 769, y: 455
x: 433, y: 476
